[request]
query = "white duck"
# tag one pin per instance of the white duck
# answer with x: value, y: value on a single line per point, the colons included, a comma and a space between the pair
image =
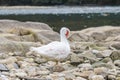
x: 55, y: 50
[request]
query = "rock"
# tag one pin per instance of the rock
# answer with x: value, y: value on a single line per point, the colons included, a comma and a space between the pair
x: 47, y: 36
x: 78, y: 37
x: 3, y: 67
x: 10, y: 24
x: 89, y: 56
x: 69, y: 76
x: 40, y: 60
x: 106, y: 60
x: 3, y: 77
x: 14, y: 47
x: 83, y: 74
x: 80, y: 78
x: 85, y: 67
x: 96, y: 77
x: 116, y: 45
x: 117, y: 63
x: 98, y: 36
x: 102, y: 64
x: 57, y: 68
x: 111, y: 77
x: 117, y: 78
x: 8, y: 60
x: 74, y: 59
x: 112, y: 72
x: 31, y: 71
x: 18, y: 72
x: 101, y: 71
x: 115, y: 55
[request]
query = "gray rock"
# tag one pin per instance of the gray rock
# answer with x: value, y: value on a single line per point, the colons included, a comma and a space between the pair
x: 116, y: 45
x: 89, y: 55
x: 99, y: 36
x: 102, y: 64
x: 3, y: 67
x: 96, y: 77
x: 111, y: 77
x: 117, y: 63
x: 75, y: 60
x: 115, y: 55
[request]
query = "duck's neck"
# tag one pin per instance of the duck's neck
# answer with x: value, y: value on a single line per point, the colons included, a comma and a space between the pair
x: 64, y: 39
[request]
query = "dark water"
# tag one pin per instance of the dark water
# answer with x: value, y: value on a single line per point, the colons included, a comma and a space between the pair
x: 72, y: 21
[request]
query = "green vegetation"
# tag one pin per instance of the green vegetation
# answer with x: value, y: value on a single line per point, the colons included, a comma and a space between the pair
x: 73, y: 21
x: 58, y: 2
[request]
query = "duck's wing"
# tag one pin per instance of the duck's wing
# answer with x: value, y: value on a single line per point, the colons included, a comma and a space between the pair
x: 53, y: 49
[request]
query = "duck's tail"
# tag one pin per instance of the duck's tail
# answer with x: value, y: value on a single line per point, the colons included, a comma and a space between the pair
x: 32, y: 49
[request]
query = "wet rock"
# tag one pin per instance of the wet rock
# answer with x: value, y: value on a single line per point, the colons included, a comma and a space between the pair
x: 115, y: 55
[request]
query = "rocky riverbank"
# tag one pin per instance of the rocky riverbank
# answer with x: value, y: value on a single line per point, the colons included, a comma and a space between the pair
x: 95, y: 53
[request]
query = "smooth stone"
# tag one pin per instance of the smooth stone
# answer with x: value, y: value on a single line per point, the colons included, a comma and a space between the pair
x: 57, y: 68
x: 116, y: 45
x: 112, y: 72
x: 99, y: 36
x: 31, y: 71
x: 75, y: 60
x: 8, y: 60
x: 3, y: 67
x: 40, y: 60
x: 89, y: 55
x: 69, y: 76
x: 101, y: 71
x: 117, y: 63
x: 19, y: 73
x: 79, y: 78
x: 111, y: 77
x: 107, y: 59
x: 102, y: 64
x: 96, y: 77
x: 115, y: 55
x: 3, y: 77
x: 85, y: 67
x: 83, y: 74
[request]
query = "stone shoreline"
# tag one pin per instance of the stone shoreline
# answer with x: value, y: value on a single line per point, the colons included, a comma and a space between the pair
x: 95, y: 53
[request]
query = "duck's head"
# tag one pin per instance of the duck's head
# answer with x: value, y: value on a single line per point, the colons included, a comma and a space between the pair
x: 65, y: 31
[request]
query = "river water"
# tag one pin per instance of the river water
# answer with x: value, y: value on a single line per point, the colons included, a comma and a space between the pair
x: 58, y: 10
x: 76, y: 17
